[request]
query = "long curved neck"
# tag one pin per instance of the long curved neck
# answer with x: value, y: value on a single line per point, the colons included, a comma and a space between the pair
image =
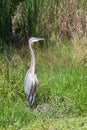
x: 32, y: 64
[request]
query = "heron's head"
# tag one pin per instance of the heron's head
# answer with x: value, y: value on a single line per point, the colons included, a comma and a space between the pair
x: 34, y: 39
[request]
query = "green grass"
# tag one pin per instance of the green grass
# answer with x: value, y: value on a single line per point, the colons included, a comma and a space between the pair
x: 79, y: 123
x: 61, y: 94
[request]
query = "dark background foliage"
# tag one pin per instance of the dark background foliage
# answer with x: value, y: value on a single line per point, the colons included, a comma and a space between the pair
x: 54, y: 20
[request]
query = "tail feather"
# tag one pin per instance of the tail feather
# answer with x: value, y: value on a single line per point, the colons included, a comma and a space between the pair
x: 30, y: 100
x: 31, y: 97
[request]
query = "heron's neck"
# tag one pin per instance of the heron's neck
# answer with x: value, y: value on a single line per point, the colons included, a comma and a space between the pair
x: 32, y: 64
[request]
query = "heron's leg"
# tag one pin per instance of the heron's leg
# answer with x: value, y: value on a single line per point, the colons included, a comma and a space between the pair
x: 34, y: 100
x: 35, y: 103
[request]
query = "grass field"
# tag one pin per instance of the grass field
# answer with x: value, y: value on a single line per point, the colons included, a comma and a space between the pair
x: 61, y: 94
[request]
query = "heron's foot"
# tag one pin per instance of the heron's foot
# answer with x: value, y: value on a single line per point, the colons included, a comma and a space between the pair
x: 35, y: 104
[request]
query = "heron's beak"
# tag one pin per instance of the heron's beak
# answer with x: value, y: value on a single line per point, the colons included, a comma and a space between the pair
x: 40, y: 39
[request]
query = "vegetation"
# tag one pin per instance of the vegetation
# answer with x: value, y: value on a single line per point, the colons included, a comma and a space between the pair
x: 54, y: 20
x: 62, y: 89
x: 61, y: 64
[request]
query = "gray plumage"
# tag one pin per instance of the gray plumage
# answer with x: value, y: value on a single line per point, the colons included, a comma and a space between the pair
x: 31, y: 82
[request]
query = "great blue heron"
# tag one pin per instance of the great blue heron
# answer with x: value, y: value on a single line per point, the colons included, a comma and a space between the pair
x: 31, y: 82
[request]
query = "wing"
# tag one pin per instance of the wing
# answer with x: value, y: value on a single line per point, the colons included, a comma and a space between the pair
x: 31, y: 97
x: 28, y: 83
x: 36, y: 80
